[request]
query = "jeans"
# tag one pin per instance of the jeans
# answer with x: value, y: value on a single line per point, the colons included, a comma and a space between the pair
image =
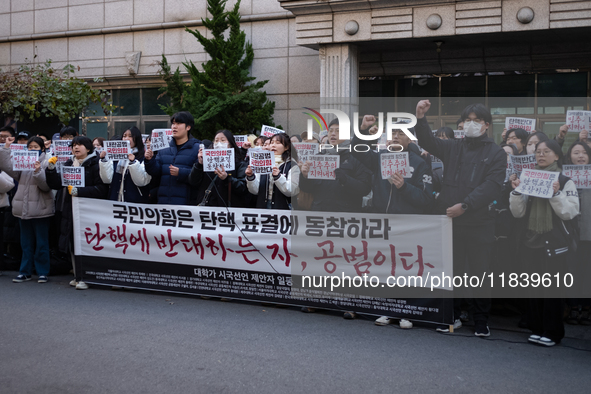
x: 35, y: 245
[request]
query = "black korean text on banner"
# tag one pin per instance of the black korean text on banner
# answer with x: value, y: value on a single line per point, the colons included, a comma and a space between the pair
x: 248, y: 254
x: 72, y: 176
x: 459, y: 133
x: 520, y: 163
x: 240, y: 140
x: 24, y: 161
x: 305, y: 150
x: 537, y: 183
x: 160, y: 139
x: 269, y: 131
x: 526, y: 124
x: 577, y: 121
x: 63, y: 151
x: 261, y: 161
x: 579, y: 174
x: 216, y: 158
x: 323, y: 166
x: 391, y: 163
x: 117, y: 150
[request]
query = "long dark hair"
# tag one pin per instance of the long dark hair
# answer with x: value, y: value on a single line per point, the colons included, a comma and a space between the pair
x: 136, y: 135
x: 568, y: 160
x: 284, y: 140
x: 237, y: 151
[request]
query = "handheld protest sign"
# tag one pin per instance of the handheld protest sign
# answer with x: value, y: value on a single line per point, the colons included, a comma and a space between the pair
x: 61, y: 160
x: 323, y: 166
x: 261, y: 161
x: 215, y: 158
x: 537, y: 183
x: 520, y: 163
x: 579, y: 174
x: 526, y: 124
x: 145, y: 137
x: 391, y: 163
x: 18, y: 148
x: 72, y: 176
x: 460, y: 134
x: 62, y: 147
x: 269, y: 131
x: 305, y: 150
x: 117, y: 150
x: 160, y: 139
x: 24, y: 161
x: 577, y: 121
x: 240, y: 140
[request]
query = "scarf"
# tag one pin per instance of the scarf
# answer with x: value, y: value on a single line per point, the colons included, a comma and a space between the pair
x: 78, y: 163
x: 540, y: 216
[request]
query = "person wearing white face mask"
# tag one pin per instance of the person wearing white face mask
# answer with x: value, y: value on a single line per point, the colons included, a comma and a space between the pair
x: 222, y: 188
x: 473, y: 173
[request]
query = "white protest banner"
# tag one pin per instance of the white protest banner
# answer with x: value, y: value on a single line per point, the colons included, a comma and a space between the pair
x: 24, y: 161
x: 537, y: 183
x: 579, y: 174
x: 459, y: 133
x: 390, y: 163
x: 305, y: 150
x: 323, y: 166
x: 62, y: 148
x: 18, y: 148
x: 145, y: 137
x: 519, y: 163
x: 72, y: 176
x: 214, y: 158
x: 160, y: 139
x: 269, y: 131
x: 204, y: 251
x: 240, y: 140
x: 61, y: 160
x: 509, y: 170
x: 526, y: 124
x: 577, y: 121
x: 261, y: 161
x: 117, y: 150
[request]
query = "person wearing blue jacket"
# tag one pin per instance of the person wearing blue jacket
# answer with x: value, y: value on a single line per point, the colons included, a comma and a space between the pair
x: 173, y: 164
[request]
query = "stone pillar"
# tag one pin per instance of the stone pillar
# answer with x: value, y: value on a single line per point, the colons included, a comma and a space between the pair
x: 339, y: 71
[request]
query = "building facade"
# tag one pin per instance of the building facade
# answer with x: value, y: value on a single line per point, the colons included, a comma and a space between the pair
x: 451, y: 51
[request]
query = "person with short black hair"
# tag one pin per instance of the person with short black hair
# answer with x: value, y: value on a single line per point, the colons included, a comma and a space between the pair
x: 173, y: 165
x: 23, y: 137
x: 83, y: 156
x: 68, y: 133
x: 518, y: 137
x: 474, y: 169
x: 445, y: 133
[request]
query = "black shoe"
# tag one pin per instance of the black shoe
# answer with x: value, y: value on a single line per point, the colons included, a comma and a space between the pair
x: 21, y: 278
x: 42, y: 279
x: 481, y: 330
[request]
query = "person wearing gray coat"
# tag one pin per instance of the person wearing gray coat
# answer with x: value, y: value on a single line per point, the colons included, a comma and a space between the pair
x: 33, y: 205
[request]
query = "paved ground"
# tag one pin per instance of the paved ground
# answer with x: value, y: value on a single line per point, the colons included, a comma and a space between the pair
x: 55, y: 339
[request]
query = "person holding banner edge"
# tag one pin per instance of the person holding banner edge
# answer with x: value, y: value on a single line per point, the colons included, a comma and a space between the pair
x: 546, y: 236
x: 84, y: 156
x: 33, y: 206
x: 474, y: 170
x: 173, y: 165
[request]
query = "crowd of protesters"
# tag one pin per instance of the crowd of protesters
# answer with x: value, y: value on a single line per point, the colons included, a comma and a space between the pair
x: 471, y: 186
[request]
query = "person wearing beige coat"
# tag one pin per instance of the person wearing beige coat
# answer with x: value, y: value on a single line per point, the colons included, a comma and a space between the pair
x: 33, y: 205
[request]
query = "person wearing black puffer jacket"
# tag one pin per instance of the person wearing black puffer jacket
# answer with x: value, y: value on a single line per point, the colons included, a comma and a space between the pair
x: 84, y: 156
x: 474, y: 169
x: 128, y: 180
x: 222, y: 188
x: 173, y: 164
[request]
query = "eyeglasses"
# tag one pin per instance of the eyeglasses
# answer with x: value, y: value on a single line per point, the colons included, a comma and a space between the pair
x: 544, y: 152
